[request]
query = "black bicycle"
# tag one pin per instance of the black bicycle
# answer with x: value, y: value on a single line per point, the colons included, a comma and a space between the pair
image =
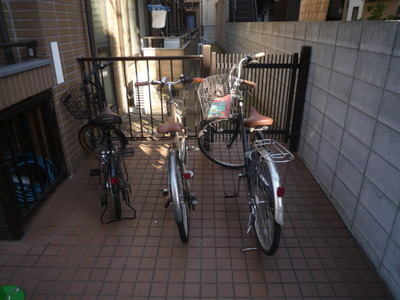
x: 102, y: 138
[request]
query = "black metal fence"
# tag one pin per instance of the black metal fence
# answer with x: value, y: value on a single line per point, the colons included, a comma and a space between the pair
x: 281, y: 83
x: 144, y: 108
x: 30, y: 157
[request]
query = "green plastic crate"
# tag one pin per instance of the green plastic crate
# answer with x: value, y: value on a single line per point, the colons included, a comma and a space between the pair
x: 11, y: 292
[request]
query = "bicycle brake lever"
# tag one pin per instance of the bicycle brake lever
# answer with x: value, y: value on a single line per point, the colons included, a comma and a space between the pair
x: 247, y: 91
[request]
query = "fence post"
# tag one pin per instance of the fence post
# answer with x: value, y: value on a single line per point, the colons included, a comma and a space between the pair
x: 305, y: 59
x: 206, y: 60
x: 10, y: 218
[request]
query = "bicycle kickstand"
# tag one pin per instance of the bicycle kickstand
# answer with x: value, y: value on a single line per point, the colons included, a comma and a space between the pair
x: 249, y: 227
x: 164, y: 192
x: 235, y: 194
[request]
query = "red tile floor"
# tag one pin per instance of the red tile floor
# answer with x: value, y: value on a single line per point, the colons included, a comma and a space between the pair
x: 66, y: 253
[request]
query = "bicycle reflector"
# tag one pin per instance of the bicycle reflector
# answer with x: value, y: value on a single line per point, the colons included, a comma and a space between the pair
x: 113, y: 180
x: 280, y: 192
x: 188, y: 174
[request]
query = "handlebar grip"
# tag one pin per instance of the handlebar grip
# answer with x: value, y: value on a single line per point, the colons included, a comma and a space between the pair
x: 249, y: 83
x: 258, y: 55
x: 142, y: 83
x: 197, y: 79
x: 190, y: 79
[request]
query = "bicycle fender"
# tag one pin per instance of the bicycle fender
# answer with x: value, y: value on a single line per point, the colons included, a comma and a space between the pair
x: 279, y: 211
x: 175, y: 183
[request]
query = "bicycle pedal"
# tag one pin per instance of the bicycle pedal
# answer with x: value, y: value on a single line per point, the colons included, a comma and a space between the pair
x: 231, y: 195
x: 164, y: 192
x: 193, y: 202
x: 94, y: 172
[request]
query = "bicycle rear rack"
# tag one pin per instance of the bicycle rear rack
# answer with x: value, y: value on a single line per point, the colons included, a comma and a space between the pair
x: 273, y: 151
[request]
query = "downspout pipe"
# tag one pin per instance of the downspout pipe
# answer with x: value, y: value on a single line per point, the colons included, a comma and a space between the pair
x: 89, y: 22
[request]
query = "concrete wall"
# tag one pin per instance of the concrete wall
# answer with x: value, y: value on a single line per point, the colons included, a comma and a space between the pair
x: 350, y: 136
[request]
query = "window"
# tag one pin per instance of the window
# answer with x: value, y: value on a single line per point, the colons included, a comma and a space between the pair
x: 354, y: 14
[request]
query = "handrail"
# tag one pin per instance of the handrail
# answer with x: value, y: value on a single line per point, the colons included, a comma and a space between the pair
x: 138, y: 58
x: 183, y: 38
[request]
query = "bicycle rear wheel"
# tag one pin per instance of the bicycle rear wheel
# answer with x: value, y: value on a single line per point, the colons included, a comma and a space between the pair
x: 221, y: 141
x: 266, y: 228
x: 112, y: 183
x: 117, y: 201
x: 179, y: 194
x: 93, y: 138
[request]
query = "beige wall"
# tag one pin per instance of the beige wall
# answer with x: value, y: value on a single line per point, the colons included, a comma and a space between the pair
x: 313, y: 10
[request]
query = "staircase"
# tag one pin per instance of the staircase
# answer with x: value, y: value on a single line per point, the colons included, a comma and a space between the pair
x: 243, y: 10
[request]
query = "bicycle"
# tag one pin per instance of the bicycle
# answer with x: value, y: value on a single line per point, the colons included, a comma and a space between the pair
x: 230, y: 140
x: 102, y: 138
x: 178, y: 193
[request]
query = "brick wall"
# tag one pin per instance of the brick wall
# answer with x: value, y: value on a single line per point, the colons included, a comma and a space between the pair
x: 49, y: 21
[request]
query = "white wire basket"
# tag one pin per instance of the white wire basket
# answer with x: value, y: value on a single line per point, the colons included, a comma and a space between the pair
x: 212, y: 87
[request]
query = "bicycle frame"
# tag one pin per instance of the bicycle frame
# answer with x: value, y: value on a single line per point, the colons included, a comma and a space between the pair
x: 178, y: 193
x: 178, y: 141
x: 276, y: 183
x: 173, y: 115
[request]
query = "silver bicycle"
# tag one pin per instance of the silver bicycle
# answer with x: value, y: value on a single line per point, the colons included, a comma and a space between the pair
x: 178, y: 192
x: 229, y: 139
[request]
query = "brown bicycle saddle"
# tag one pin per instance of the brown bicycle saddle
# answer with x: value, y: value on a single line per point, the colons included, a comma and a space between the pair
x: 170, y: 126
x: 256, y: 119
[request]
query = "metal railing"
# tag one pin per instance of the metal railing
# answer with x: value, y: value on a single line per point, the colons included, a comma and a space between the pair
x: 143, y: 108
x: 281, y: 83
x: 177, y: 40
x: 30, y: 155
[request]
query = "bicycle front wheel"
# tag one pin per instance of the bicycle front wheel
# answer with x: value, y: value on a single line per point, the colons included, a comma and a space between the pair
x: 178, y: 193
x: 221, y: 141
x: 94, y: 138
x: 263, y: 205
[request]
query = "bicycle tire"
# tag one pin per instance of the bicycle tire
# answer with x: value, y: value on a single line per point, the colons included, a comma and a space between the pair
x: 93, y: 141
x: 220, y: 141
x: 265, y: 226
x: 178, y: 194
x: 117, y: 201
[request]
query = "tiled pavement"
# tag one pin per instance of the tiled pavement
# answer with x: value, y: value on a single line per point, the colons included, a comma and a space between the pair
x: 66, y: 253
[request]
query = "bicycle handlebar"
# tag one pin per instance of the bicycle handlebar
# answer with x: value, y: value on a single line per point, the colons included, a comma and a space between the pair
x: 251, y: 57
x: 100, y: 66
x: 245, y: 60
